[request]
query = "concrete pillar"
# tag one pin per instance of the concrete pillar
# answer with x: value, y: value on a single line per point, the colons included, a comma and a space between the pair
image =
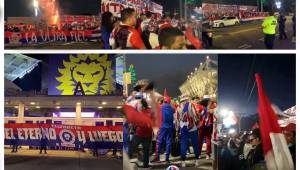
x: 21, y: 110
x: 78, y: 114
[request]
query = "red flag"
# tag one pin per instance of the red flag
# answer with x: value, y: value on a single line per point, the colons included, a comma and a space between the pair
x: 137, y: 118
x: 275, y: 148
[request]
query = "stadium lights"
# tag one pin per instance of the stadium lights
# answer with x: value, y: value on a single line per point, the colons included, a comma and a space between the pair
x: 278, y: 4
x: 231, y: 131
x: 35, y: 3
x: 228, y: 118
x: 228, y: 121
x: 224, y: 112
x: 36, y: 6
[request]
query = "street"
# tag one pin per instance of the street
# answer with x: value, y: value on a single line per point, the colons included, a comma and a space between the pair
x: 60, y: 45
x: 249, y: 36
x: 58, y: 160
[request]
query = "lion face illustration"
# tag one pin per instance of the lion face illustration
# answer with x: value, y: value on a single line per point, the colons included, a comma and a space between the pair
x: 91, y: 70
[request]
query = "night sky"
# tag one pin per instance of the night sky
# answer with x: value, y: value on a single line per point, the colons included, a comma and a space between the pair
x: 278, y: 73
x: 166, y: 70
x: 71, y: 7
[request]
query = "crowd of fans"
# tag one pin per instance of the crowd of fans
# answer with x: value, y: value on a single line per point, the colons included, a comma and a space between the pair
x: 129, y: 31
x: 179, y: 122
x: 148, y: 32
x: 244, y: 150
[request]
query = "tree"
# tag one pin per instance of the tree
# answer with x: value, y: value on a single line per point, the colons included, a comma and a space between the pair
x: 132, y: 71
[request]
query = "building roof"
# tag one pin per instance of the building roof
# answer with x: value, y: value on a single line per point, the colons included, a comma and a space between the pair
x: 18, y: 65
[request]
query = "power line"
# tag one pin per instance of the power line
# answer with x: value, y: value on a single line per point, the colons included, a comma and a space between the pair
x: 250, y: 95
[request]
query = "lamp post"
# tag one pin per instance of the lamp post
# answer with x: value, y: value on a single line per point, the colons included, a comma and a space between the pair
x: 36, y: 6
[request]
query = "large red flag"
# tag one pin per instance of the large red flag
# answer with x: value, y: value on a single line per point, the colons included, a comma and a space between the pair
x: 275, y: 148
x: 136, y: 117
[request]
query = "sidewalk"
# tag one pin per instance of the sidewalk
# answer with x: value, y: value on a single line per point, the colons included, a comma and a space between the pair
x: 190, y: 162
x: 52, y: 153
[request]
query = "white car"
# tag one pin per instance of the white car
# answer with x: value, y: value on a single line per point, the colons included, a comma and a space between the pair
x: 226, y: 21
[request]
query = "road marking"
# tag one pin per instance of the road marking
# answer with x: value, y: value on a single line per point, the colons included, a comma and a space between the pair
x: 237, y: 32
x: 246, y: 30
x: 217, y: 36
x: 245, y: 46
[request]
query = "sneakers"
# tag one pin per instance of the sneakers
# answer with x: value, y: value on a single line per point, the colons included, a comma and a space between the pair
x: 183, y: 164
x: 133, y: 160
x: 168, y: 161
x: 197, y: 162
x: 207, y: 157
x: 155, y: 160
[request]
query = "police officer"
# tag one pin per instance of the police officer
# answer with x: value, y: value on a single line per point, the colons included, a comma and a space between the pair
x: 281, y: 21
x: 269, y: 29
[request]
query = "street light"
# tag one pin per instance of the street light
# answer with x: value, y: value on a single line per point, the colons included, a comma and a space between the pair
x: 224, y: 112
x: 231, y: 131
x: 36, y: 6
x: 278, y: 4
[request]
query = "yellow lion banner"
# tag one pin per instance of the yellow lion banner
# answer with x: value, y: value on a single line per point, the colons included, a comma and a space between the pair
x: 93, y: 72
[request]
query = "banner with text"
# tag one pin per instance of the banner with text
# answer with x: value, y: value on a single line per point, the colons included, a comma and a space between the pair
x: 34, y: 37
x: 140, y: 6
x: 58, y: 136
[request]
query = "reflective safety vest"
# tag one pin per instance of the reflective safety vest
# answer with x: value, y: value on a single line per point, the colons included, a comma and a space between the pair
x: 269, y: 25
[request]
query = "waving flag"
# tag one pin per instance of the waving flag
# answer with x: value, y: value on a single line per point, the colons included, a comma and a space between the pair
x: 275, y: 148
x: 136, y: 117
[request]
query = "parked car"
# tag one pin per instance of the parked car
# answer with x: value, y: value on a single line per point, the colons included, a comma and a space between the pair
x: 226, y: 21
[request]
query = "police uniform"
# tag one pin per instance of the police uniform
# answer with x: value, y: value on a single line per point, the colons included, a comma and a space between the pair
x: 269, y: 29
x: 281, y: 22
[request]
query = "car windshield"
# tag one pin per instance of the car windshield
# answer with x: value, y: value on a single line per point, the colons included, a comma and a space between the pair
x: 223, y: 18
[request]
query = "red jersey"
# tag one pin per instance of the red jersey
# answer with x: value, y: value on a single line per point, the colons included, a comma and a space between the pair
x: 126, y: 37
x: 143, y: 131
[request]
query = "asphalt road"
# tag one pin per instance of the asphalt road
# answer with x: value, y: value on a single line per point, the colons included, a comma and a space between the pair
x: 60, y: 45
x: 44, y: 162
x: 249, y: 36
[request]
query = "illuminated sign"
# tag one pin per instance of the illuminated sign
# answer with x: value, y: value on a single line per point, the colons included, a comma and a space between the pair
x: 93, y: 73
